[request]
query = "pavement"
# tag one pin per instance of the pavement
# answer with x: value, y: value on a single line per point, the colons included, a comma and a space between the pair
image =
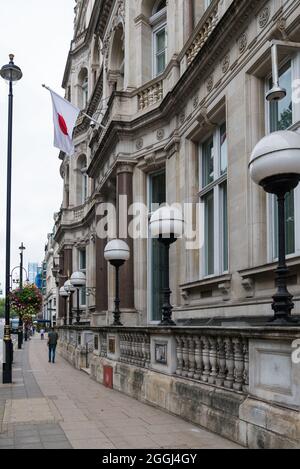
x: 54, y: 406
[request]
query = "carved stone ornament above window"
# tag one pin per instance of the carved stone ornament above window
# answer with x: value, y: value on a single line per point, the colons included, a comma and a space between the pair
x: 210, y: 83
x: 263, y: 17
x: 226, y: 63
x: 160, y: 134
x: 242, y: 43
x: 139, y: 144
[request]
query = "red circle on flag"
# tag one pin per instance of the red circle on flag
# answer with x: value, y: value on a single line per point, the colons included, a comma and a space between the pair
x: 62, y: 124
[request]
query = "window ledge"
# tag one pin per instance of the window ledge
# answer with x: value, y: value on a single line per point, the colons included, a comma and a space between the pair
x: 292, y: 262
x: 216, y: 282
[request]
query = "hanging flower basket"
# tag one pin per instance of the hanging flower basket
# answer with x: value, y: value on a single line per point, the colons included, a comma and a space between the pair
x: 26, y: 302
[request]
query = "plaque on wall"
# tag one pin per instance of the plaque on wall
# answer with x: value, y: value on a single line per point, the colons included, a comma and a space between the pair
x: 161, y: 351
x: 112, y: 345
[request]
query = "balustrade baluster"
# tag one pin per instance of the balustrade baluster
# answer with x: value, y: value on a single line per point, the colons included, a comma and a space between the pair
x: 192, y: 361
x: 228, y: 383
x: 185, y: 356
x: 213, y: 360
x: 179, y: 353
x: 198, y: 359
x: 238, y: 364
x: 246, y: 365
x: 221, y: 361
x: 206, y: 361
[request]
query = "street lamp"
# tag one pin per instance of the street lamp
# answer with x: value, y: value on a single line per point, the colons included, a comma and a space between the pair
x: 70, y: 289
x: 117, y: 252
x: 10, y: 73
x: 63, y: 294
x: 166, y: 224
x: 78, y: 280
x: 275, y: 165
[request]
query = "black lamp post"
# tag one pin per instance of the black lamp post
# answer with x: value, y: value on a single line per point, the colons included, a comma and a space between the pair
x: 275, y: 165
x: 117, y: 252
x: 20, y: 331
x: 78, y: 280
x: 167, y: 225
x: 70, y: 290
x: 10, y: 73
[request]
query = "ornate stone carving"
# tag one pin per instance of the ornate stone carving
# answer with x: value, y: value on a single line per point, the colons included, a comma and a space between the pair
x: 160, y: 134
x: 182, y: 118
x: 210, y: 83
x: 226, y: 63
x: 139, y: 144
x: 263, y: 17
x: 242, y: 43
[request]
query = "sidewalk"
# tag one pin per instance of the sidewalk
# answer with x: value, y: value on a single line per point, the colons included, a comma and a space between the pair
x: 55, y: 406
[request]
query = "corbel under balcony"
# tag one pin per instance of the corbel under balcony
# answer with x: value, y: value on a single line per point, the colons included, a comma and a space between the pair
x: 220, y: 282
x: 259, y: 273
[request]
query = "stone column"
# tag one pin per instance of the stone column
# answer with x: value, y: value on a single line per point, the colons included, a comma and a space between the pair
x: 188, y: 18
x: 101, y: 267
x: 65, y: 267
x: 124, y: 200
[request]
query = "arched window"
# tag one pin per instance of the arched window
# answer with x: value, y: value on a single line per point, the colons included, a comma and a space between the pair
x: 117, y: 59
x: 83, y: 88
x: 158, y: 22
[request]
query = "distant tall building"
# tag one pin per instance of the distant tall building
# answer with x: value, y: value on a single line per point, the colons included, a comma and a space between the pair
x: 33, y: 269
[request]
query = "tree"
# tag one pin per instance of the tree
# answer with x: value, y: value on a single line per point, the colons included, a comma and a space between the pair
x: 2, y: 307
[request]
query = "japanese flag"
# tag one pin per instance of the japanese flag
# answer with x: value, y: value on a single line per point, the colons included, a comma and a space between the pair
x: 65, y: 116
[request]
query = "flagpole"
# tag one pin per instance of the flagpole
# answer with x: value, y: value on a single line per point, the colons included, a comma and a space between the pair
x: 82, y: 112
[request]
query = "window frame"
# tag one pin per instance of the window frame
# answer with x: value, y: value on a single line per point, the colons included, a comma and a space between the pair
x: 216, y: 186
x: 294, y: 59
x: 150, y: 246
x: 82, y: 304
x: 158, y: 22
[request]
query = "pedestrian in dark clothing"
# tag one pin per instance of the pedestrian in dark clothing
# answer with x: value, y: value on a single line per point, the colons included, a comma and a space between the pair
x: 52, y: 343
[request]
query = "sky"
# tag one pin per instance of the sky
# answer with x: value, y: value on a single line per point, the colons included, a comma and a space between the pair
x: 38, y: 33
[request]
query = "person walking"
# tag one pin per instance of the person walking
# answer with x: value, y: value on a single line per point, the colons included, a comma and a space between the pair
x: 52, y: 343
x: 42, y: 334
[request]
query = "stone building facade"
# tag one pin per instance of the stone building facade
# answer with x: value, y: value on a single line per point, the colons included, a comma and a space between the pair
x: 179, y: 89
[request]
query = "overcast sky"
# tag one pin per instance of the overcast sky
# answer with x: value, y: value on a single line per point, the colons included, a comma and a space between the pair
x: 38, y: 32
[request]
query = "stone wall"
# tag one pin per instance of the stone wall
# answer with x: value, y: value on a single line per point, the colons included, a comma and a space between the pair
x: 245, y: 398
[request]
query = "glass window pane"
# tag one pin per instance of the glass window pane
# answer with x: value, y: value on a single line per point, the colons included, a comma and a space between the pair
x: 281, y: 112
x: 161, y: 41
x: 225, y: 225
x: 158, y: 259
x: 223, y: 149
x: 82, y: 259
x: 207, y: 162
x: 289, y: 224
x: 209, y: 233
x: 158, y: 189
x: 82, y: 300
x: 160, y: 63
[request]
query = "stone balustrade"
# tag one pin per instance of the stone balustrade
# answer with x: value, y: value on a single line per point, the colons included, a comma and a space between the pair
x: 135, y: 349
x: 203, y: 34
x: 214, y: 359
x: 150, y: 95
